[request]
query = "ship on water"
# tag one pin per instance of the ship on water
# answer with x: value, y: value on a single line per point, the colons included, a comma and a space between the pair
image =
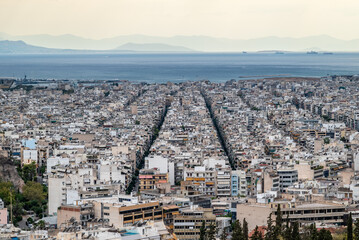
x: 312, y: 52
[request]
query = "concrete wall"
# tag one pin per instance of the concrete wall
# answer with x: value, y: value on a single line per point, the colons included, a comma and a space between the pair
x: 55, y: 194
x: 254, y: 215
x: 304, y: 172
x: 64, y: 216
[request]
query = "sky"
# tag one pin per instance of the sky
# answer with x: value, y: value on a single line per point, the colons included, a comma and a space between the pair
x: 236, y: 19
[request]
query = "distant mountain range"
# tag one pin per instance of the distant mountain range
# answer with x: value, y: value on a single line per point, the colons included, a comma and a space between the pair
x: 152, y: 47
x: 20, y: 47
x: 187, y: 43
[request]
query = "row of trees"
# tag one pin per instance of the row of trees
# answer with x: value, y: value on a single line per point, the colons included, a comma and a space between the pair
x: 239, y: 231
x: 285, y: 230
x: 208, y: 234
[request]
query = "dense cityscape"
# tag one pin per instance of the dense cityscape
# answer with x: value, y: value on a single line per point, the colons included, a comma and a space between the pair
x: 248, y: 159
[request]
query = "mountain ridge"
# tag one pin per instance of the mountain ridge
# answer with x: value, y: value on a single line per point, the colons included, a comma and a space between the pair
x: 20, y: 47
x: 195, y: 42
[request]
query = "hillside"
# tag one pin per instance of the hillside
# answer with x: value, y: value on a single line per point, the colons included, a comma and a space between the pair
x: 21, y: 47
x: 8, y: 173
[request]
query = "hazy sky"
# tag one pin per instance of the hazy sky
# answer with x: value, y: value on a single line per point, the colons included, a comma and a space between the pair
x: 241, y: 19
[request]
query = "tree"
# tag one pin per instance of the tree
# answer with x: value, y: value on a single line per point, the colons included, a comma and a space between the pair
x: 326, y: 118
x: 30, y: 221
x: 17, y: 211
x: 350, y: 228
x: 40, y: 225
x: 212, y: 231
x: 356, y: 230
x: 278, y: 223
x: 34, y: 191
x: 6, y: 192
x: 28, y: 172
x: 287, y: 235
x: 224, y: 234
x: 270, y: 229
x: 245, y: 229
x: 202, y: 231
x: 295, y: 231
x: 257, y: 235
x: 237, y: 231
x: 324, y: 234
x: 313, y: 232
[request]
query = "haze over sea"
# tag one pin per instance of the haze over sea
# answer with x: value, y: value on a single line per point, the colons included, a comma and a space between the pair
x: 151, y: 67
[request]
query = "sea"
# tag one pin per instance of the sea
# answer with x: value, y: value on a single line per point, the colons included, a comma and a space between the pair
x: 177, y: 67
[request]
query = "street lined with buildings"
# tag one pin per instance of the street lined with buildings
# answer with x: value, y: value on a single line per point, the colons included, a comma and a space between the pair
x: 120, y: 160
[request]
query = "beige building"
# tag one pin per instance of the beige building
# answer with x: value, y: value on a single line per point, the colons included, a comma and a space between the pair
x: 270, y: 182
x: 308, y: 172
x: 120, y: 215
x: 69, y: 214
x: 151, y: 179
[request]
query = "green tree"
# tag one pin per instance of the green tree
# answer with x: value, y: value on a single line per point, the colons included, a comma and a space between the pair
x: 28, y: 172
x: 287, y: 235
x: 34, y: 191
x: 212, y: 231
x: 257, y: 235
x: 326, y: 118
x: 356, y: 230
x: 295, y: 231
x: 270, y: 235
x: 245, y: 229
x: 29, y: 221
x: 223, y: 234
x: 17, y: 211
x: 350, y: 228
x: 202, y: 231
x: 237, y: 231
x: 7, y: 192
x: 324, y: 235
x: 40, y: 225
x: 278, y: 223
x: 313, y: 232
x: 42, y: 170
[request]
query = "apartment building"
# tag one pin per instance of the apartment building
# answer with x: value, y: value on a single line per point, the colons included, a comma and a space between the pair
x: 287, y: 177
x: 187, y: 224
x: 150, y: 179
x: 120, y: 215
